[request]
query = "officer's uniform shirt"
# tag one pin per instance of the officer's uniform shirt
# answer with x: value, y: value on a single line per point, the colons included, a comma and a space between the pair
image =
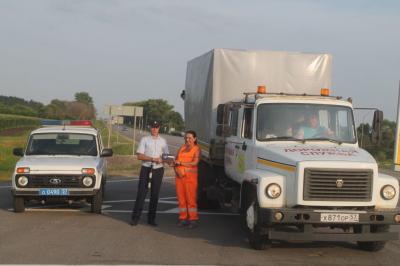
x: 152, y: 147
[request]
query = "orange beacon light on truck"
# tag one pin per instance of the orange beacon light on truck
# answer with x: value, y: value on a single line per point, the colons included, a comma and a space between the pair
x: 324, y: 92
x: 261, y: 89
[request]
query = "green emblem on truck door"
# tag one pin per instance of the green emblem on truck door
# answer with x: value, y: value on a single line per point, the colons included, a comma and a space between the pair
x: 241, y: 163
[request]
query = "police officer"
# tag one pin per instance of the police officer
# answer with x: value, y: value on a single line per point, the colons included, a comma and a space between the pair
x: 151, y: 173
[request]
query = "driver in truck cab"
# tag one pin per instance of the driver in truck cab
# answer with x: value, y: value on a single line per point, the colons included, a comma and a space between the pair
x: 313, y: 129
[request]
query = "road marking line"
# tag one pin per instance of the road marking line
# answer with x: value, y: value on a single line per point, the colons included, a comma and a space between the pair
x: 135, y: 179
x: 174, y: 211
x: 146, y: 200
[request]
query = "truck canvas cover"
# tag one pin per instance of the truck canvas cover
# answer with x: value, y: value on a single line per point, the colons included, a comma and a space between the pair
x: 223, y: 75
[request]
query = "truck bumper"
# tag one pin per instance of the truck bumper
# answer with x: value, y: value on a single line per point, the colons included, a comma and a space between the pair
x: 307, y: 224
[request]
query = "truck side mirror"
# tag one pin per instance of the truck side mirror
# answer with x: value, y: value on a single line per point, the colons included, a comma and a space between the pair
x: 18, y: 152
x: 377, y: 127
x: 220, y: 113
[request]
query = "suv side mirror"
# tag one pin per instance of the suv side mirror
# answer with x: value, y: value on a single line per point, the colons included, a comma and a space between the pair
x: 376, y: 127
x: 18, y: 152
x: 106, y: 153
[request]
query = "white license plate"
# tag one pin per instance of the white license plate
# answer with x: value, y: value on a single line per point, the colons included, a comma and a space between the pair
x: 339, y: 217
x: 53, y: 192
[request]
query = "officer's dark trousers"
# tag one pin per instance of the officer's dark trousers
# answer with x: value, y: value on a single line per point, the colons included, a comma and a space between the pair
x: 142, y: 191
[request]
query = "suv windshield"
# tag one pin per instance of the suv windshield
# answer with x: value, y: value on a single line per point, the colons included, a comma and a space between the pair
x: 62, y: 144
x: 287, y: 121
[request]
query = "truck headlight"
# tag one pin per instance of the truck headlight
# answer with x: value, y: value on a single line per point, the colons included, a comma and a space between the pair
x: 87, y: 181
x: 22, y: 181
x: 273, y: 191
x: 388, y: 192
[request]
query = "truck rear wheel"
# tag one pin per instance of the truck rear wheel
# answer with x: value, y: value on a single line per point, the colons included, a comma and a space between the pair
x: 205, y: 181
x: 97, y: 202
x: 249, y: 218
x: 19, y: 204
x: 374, y: 245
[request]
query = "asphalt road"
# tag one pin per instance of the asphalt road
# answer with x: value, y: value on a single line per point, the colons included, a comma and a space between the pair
x: 62, y: 234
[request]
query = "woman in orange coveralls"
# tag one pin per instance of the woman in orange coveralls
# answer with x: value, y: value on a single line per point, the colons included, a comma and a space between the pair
x: 186, y: 180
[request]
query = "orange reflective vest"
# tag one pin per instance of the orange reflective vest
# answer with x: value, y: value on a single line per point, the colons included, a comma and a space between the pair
x: 186, y: 183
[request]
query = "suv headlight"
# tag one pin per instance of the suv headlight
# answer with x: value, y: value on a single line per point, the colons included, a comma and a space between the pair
x: 87, y: 181
x: 22, y: 181
x: 88, y: 171
x: 388, y: 192
x: 273, y: 191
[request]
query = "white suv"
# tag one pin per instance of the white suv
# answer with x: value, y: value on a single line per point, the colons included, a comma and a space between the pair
x: 62, y: 162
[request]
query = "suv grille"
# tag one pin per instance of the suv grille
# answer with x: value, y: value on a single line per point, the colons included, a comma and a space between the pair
x: 337, y: 184
x: 66, y: 181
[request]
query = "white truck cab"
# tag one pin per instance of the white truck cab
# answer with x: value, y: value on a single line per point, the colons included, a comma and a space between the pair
x: 289, y: 161
x: 61, y: 162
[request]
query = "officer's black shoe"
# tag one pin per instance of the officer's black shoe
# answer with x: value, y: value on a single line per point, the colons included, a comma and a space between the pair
x: 152, y: 222
x: 134, y: 222
x: 193, y: 224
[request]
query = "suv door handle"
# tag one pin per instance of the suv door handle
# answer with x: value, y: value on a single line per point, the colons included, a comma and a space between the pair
x: 237, y: 147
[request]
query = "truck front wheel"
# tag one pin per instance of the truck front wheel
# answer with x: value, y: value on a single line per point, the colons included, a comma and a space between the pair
x: 19, y: 204
x: 374, y: 245
x: 97, y: 201
x: 258, y: 239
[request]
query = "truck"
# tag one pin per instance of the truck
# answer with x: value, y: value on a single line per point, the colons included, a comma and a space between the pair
x: 62, y: 161
x: 282, y: 151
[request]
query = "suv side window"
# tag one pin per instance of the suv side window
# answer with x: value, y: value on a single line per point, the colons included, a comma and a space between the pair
x: 247, y: 123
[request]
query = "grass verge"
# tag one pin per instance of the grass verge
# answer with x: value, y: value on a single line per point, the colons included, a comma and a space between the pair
x: 10, y: 139
x: 121, y: 164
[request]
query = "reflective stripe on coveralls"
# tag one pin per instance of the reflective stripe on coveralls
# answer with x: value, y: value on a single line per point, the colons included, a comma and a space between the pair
x: 186, y: 186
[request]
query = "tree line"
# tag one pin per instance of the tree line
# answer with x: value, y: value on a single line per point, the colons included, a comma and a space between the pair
x: 159, y: 110
x: 383, y: 151
x: 81, y: 108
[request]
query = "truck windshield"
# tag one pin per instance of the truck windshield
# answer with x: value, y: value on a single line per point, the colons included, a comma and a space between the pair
x: 62, y: 144
x: 290, y: 121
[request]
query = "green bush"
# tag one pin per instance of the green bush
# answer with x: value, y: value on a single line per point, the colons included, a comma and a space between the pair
x: 15, y: 121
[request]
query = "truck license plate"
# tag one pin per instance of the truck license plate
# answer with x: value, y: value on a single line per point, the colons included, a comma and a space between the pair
x: 339, y: 217
x: 53, y: 192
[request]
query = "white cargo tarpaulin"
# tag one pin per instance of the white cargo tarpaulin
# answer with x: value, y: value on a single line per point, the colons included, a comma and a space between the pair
x: 223, y: 75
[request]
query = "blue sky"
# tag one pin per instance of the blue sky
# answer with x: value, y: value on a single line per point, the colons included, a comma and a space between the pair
x: 121, y: 51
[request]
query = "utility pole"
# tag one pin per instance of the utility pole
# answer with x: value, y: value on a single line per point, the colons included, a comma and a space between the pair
x: 396, y: 156
x: 134, y: 131
x: 109, y: 132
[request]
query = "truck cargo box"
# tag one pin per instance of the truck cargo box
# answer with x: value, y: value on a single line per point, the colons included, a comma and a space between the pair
x: 223, y: 75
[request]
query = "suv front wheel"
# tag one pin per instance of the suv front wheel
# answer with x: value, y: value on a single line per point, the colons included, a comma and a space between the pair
x: 19, y: 204
x: 97, y: 201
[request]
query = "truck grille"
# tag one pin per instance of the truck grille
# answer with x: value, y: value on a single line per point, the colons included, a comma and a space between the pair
x: 66, y: 181
x: 337, y: 184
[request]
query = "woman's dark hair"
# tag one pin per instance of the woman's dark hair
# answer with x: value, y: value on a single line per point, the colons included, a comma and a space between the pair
x: 193, y: 134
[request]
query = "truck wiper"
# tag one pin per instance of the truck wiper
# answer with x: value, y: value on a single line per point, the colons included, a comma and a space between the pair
x: 286, y: 138
x: 328, y: 139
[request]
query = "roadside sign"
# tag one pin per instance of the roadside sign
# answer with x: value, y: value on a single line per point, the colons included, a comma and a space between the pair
x: 117, y: 112
x: 122, y: 110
